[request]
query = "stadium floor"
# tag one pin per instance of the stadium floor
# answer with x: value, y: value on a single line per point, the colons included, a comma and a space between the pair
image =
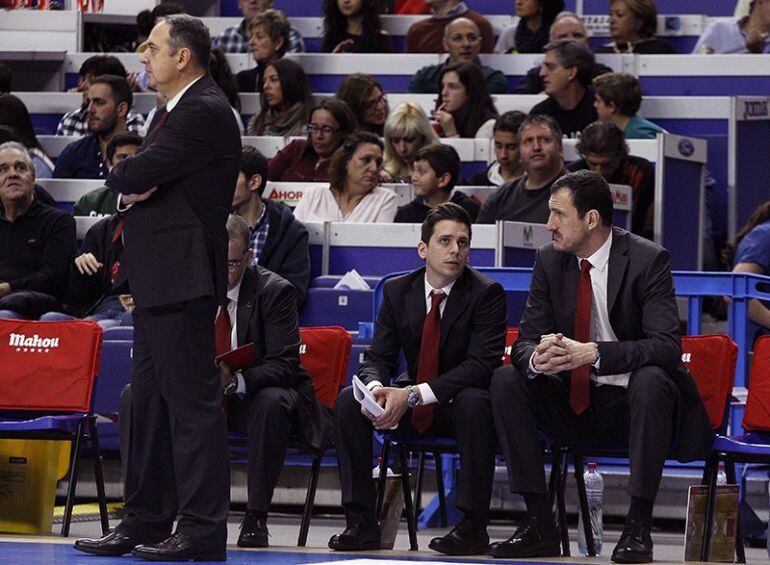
x: 33, y: 550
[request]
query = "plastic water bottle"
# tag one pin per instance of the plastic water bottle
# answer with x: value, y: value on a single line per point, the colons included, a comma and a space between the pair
x: 721, y: 475
x: 594, y: 492
x: 376, y: 470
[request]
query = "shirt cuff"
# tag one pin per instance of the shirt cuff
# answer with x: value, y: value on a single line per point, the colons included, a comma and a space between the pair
x: 241, y: 390
x: 121, y: 208
x: 531, y: 372
x: 427, y: 394
x: 373, y: 384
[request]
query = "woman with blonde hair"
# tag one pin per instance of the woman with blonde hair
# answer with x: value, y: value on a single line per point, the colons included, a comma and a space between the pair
x: 407, y: 130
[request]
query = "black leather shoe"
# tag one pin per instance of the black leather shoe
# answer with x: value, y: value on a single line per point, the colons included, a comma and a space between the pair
x: 533, y: 538
x: 179, y: 547
x: 359, y: 535
x: 113, y: 544
x: 634, y: 546
x: 253, y: 531
x: 466, y: 538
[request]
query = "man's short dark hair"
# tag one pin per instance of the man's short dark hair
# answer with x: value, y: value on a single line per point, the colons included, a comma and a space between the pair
x: 445, y: 211
x: 573, y: 53
x: 6, y: 78
x: 589, y: 192
x: 188, y: 31
x: 121, y: 92
x: 510, y: 122
x: 622, y: 89
x: 254, y: 163
x: 442, y: 159
x: 603, y: 137
x: 542, y: 120
x: 121, y: 140
x: 102, y: 65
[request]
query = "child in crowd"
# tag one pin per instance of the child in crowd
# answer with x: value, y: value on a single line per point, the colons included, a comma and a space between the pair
x: 436, y: 172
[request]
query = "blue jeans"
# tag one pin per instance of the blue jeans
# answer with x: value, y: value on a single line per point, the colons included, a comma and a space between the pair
x: 108, y: 313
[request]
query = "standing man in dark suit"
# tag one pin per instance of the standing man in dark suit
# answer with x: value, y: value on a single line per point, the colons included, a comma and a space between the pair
x: 275, y: 396
x: 449, y: 321
x: 179, y: 188
x: 598, y: 359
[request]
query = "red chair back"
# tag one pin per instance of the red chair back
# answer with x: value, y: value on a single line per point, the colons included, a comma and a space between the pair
x: 48, y: 366
x: 325, y: 353
x: 756, y: 417
x: 510, y: 338
x: 711, y: 359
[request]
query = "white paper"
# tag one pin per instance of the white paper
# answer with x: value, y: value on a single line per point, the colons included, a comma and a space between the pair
x: 365, y: 397
x: 352, y: 281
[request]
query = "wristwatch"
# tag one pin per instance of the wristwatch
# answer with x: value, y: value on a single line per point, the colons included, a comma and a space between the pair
x: 414, y: 398
x: 232, y: 386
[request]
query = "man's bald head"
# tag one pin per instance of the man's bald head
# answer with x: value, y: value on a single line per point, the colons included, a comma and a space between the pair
x: 568, y: 25
x: 462, y: 40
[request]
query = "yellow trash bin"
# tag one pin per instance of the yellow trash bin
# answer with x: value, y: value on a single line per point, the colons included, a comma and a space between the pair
x: 28, y: 473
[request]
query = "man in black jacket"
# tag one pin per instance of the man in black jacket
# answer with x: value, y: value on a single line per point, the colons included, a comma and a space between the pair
x: 279, y: 242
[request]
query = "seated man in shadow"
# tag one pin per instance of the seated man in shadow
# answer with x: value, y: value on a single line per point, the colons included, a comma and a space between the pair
x: 272, y: 400
x: 450, y: 322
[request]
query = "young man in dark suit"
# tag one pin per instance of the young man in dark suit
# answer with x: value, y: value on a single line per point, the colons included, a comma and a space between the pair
x: 450, y: 323
x: 275, y: 396
x: 179, y: 188
x: 598, y: 359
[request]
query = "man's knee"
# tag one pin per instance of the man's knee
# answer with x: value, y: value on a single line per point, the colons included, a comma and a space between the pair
x: 507, y: 385
x: 271, y: 401
x: 346, y: 405
x: 471, y: 401
x: 651, y: 386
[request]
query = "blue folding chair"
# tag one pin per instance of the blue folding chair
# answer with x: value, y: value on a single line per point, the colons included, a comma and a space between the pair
x: 751, y: 447
x: 46, y: 392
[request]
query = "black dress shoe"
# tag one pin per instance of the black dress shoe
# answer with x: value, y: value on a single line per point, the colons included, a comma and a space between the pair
x: 466, y: 538
x: 359, y: 535
x: 635, y: 545
x: 179, y: 547
x: 113, y: 544
x: 253, y: 531
x: 533, y: 538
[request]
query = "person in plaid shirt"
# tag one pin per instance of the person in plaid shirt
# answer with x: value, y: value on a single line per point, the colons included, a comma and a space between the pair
x: 236, y: 39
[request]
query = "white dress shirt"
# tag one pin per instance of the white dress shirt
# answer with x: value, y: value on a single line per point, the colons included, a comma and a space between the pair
x: 232, y: 312
x: 425, y: 391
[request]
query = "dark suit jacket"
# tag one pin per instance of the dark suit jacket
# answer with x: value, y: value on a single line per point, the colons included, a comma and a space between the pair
x: 267, y: 317
x: 473, y: 329
x: 176, y: 243
x: 643, y: 315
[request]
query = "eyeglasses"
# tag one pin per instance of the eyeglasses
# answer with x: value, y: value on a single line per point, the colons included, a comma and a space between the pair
x: 326, y: 130
x: 372, y: 104
x: 233, y: 264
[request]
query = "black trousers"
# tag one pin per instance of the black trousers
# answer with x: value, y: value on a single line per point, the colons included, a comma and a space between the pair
x: 268, y: 417
x: 177, y: 456
x: 641, y: 416
x: 468, y: 418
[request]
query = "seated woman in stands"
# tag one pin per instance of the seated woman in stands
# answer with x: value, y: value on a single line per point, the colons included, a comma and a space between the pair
x: 268, y: 41
x: 307, y: 160
x: 464, y: 108
x: 285, y: 101
x: 632, y: 28
x: 14, y: 114
x: 366, y: 98
x: 407, y: 130
x: 531, y: 33
x: 750, y: 253
x: 354, y: 26
x: 352, y: 194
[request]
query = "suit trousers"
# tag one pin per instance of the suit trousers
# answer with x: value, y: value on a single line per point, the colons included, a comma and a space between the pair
x: 468, y: 418
x: 641, y: 416
x: 267, y: 417
x: 178, y: 461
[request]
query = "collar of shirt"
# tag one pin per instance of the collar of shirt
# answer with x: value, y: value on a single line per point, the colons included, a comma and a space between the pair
x: 232, y: 294
x: 461, y: 8
x: 175, y: 100
x: 600, y: 257
x: 429, y: 290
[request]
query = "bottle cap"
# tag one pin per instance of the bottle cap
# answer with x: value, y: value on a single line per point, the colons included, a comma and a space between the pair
x: 592, y: 465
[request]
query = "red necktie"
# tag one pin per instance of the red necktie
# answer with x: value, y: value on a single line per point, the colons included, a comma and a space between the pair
x: 159, y: 121
x: 223, y: 330
x: 578, y: 388
x: 427, y: 366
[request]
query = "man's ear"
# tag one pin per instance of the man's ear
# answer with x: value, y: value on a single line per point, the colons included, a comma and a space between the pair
x: 572, y: 73
x: 122, y: 109
x: 254, y: 182
x: 444, y: 180
x: 594, y: 219
x: 183, y: 58
x: 422, y: 249
x: 613, y: 107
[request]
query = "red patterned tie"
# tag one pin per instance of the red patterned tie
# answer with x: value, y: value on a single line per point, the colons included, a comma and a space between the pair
x: 427, y: 366
x: 223, y: 331
x: 578, y: 389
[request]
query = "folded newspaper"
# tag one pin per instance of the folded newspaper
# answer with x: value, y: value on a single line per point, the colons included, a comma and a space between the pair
x: 352, y: 281
x: 365, y: 397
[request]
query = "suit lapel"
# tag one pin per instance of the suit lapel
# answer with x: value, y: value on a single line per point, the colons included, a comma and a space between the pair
x: 617, y: 267
x: 457, y: 302
x: 246, y: 303
x: 571, y: 283
x: 415, y: 305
